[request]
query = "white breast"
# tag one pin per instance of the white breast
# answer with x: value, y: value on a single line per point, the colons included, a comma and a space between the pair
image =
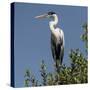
x: 58, y: 35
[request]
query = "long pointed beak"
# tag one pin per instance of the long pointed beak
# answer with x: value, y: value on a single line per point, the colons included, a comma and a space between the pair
x: 42, y: 16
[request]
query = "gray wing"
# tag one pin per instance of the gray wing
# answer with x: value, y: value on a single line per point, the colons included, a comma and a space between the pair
x: 62, y: 45
x: 53, y: 46
x: 57, y: 49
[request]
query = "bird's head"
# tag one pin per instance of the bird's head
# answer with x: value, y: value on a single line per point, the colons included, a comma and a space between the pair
x: 46, y: 15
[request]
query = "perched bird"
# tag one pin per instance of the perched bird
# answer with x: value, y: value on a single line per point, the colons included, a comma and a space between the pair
x: 57, y: 38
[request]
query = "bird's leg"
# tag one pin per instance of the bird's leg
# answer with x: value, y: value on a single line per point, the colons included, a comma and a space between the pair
x: 57, y: 69
x: 57, y: 66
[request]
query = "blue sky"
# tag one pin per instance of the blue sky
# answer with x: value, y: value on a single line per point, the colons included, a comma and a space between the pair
x: 32, y: 36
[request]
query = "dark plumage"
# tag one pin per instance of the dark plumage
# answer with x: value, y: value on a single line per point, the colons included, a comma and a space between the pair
x: 57, y: 51
x: 51, y: 13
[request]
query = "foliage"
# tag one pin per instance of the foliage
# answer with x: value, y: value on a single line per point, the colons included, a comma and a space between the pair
x: 76, y: 73
x: 30, y: 79
x: 43, y: 73
x: 84, y: 36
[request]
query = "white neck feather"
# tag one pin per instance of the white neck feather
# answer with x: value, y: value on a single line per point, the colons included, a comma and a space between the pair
x: 53, y: 23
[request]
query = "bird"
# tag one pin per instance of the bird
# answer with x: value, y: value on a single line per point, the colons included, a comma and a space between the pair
x: 57, y: 38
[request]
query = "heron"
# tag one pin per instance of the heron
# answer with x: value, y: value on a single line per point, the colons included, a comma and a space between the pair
x: 57, y: 38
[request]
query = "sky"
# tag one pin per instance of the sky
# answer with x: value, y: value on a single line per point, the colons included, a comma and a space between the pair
x: 32, y: 36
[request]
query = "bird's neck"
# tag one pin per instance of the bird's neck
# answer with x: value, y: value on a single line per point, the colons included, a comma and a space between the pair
x: 53, y: 23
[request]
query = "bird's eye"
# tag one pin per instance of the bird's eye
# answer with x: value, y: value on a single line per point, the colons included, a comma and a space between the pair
x: 51, y: 16
x: 48, y: 16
